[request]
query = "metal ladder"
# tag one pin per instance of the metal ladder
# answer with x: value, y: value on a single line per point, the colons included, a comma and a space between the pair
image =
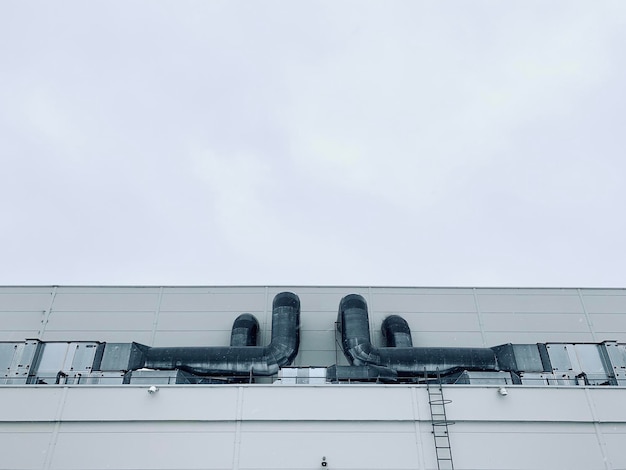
x: 437, y: 404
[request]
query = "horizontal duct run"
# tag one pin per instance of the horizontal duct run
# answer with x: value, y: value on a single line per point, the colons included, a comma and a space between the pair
x: 243, y: 356
x: 397, y: 361
x: 399, y: 355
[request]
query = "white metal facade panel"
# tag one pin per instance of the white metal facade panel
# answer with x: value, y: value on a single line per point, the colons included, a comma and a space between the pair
x: 319, y: 358
x: 113, y: 336
x: 274, y: 426
x: 442, y: 338
x: 210, y: 302
x: 24, y: 446
x: 613, y: 437
x: 318, y: 320
x: 527, y: 404
x: 514, y: 302
x: 160, y: 446
x: 605, y: 302
x: 521, y: 337
x: 605, y: 407
x: 327, y: 403
x: 17, y: 326
x: 536, y: 322
x: 448, y: 322
x: 426, y: 303
x: 192, y: 338
x: 608, y: 322
x: 99, y: 320
x: 100, y: 403
x: 108, y: 300
x: 318, y: 341
x: 22, y: 321
x: 24, y: 299
x: 324, y: 302
x: 30, y: 404
x: 280, y: 445
x: 526, y: 446
x: 203, y: 320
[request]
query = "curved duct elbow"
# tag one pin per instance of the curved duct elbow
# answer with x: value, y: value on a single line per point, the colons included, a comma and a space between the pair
x: 285, y: 329
x: 245, y: 331
x: 396, y: 332
x: 353, y: 323
x: 242, y: 357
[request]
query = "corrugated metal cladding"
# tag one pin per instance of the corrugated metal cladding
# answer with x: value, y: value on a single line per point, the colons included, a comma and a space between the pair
x: 303, y: 421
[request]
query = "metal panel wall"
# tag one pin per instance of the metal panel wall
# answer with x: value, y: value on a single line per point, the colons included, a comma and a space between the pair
x: 181, y: 446
x: 203, y: 316
x: 279, y: 426
x: 362, y: 445
x: 22, y: 311
x: 545, y: 446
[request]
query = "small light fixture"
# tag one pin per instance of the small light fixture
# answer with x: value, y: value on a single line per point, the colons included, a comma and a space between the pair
x: 503, y: 391
x: 324, y: 463
x: 153, y: 389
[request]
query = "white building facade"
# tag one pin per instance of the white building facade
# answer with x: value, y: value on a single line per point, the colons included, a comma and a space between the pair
x: 79, y: 390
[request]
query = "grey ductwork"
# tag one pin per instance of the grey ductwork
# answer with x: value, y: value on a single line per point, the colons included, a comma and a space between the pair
x: 242, y: 357
x: 245, y: 331
x: 396, y: 332
x: 353, y: 323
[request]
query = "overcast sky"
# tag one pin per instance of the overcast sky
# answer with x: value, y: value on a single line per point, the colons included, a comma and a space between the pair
x: 453, y: 143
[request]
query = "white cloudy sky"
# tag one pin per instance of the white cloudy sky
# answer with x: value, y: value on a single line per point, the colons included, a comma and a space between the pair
x: 417, y: 143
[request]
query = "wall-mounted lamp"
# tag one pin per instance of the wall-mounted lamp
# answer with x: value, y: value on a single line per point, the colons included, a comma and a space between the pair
x: 503, y: 391
x: 324, y: 463
x: 152, y: 390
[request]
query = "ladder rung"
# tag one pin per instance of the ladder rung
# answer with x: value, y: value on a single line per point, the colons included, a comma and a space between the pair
x: 440, y: 402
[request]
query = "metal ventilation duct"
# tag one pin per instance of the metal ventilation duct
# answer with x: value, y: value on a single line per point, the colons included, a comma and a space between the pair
x: 245, y: 330
x: 353, y: 324
x: 242, y: 357
x: 396, y: 332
